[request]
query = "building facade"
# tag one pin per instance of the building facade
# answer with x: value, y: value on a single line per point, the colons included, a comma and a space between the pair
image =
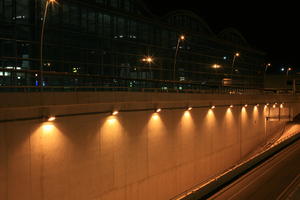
x: 108, y: 43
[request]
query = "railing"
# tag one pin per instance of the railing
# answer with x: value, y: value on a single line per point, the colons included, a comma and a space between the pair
x: 14, y: 80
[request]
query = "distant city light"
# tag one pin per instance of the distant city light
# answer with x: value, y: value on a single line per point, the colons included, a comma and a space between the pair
x: 216, y: 66
x: 225, y: 58
x: 282, y: 69
x: 148, y: 59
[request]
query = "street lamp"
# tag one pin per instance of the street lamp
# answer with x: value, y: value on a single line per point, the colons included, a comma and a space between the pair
x: 48, y: 2
x: 287, y: 71
x: 233, y: 60
x: 180, y: 38
x: 266, y: 67
x: 148, y: 60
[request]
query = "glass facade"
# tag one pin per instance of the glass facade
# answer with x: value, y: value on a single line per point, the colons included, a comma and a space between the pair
x: 105, y: 43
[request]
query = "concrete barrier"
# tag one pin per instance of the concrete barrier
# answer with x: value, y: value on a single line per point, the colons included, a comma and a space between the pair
x: 204, y: 191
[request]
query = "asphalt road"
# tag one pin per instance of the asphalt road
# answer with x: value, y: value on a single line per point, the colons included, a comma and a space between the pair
x: 278, y: 178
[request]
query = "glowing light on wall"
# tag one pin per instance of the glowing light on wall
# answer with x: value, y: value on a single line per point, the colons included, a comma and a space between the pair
x: 228, y: 121
x: 189, y: 108
x: 186, y: 128
x: 246, y: 105
x: 112, y: 121
x: 156, y: 127
x: 210, y: 120
x: 111, y: 134
x: 244, y: 116
x: 47, y: 128
x: 255, y: 112
x: 274, y: 106
x: 231, y: 106
x: 281, y: 105
x: 213, y: 107
x: 155, y: 116
x: 187, y: 114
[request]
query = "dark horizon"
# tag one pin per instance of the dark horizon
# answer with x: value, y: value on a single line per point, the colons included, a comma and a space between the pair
x: 267, y: 27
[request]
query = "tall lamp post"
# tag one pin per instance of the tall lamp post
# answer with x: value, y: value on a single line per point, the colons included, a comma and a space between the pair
x: 48, y: 2
x: 148, y: 60
x: 287, y: 71
x: 266, y: 67
x: 180, y: 38
x: 233, y: 60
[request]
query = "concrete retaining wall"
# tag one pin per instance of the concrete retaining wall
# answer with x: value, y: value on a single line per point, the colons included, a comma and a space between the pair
x: 134, y: 155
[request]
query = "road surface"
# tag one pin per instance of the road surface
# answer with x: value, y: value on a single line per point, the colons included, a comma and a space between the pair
x: 278, y: 178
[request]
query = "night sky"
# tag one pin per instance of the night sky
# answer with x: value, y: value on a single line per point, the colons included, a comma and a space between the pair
x: 270, y: 27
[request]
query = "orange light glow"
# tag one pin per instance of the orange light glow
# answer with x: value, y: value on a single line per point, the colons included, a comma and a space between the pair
x: 186, y: 127
x: 213, y: 107
x: 281, y: 105
x: 148, y: 59
x: 246, y: 105
x: 155, y: 116
x: 237, y: 54
x: 182, y: 37
x: 216, y: 66
x: 111, y: 133
x: 156, y: 128
x: 231, y: 106
x: 47, y: 128
x: 111, y: 121
x: 228, y: 121
x: 189, y: 108
x: 210, y: 120
x: 274, y: 106
x: 187, y: 114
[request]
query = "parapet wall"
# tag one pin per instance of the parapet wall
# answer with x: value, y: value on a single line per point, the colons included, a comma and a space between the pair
x: 133, y: 155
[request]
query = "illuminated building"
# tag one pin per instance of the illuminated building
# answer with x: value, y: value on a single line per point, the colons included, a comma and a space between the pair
x: 103, y: 43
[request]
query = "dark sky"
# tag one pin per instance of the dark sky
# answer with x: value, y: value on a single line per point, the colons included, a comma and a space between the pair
x: 268, y: 26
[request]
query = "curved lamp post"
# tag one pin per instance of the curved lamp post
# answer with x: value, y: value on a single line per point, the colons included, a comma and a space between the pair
x: 48, y: 2
x: 180, y: 38
x: 233, y: 60
x: 287, y: 71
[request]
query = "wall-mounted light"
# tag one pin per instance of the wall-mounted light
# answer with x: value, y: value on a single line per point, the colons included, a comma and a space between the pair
x: 231, y: 106
x: 212, y: 107
x: 281, y: 105
x: 158, y: 110
x: 189, y: 108
x: 274, y: 106
x: 51, y: 119
x: 246, y: 105
x: 115, y: 112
